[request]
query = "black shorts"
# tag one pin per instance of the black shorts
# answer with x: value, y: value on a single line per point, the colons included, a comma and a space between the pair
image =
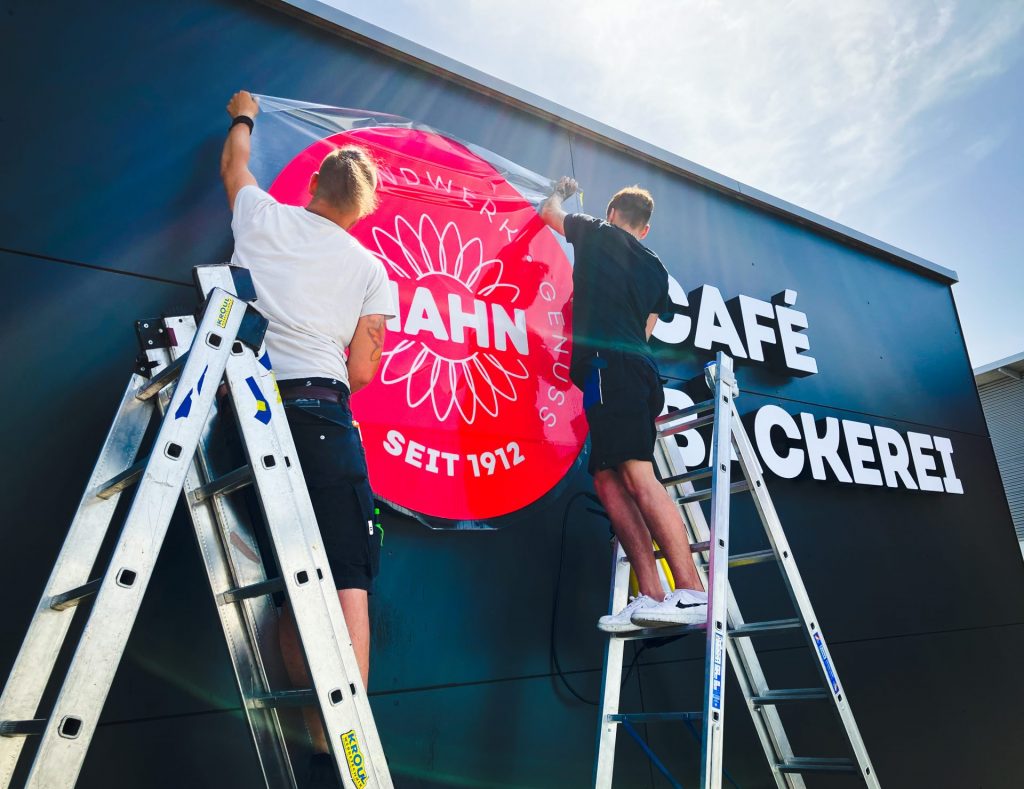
x: 622, y: 396
x: 334, y: 465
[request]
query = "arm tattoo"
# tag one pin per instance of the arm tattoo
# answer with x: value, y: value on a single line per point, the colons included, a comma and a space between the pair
x: 375, y: 328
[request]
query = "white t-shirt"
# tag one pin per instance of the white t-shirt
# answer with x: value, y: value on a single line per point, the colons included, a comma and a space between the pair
x: 313, y: 282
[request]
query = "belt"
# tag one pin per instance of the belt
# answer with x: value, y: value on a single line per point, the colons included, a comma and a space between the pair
x: 312, y: 393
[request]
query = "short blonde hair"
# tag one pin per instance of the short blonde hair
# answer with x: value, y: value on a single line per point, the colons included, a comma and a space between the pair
x: 348, y: 180
x: 635, y: 206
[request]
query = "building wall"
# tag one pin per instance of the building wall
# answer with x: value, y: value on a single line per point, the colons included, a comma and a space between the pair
x: 1003, y: 403
x: 112, y: 128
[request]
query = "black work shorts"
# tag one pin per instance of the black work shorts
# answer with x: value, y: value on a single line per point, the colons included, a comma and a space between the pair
x: 334, y: 465
x: 622, y: 396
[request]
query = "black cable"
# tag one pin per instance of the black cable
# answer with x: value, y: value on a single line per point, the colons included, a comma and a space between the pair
x: 643, y: 708
x: 553, y: 642
x: 637, y: 652
x: 696, y: 736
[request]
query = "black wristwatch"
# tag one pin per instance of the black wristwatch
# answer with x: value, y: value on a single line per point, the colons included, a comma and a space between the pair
x: 242, y: 119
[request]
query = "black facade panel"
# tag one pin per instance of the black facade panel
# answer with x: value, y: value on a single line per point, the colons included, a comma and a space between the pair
x: 163, y: 753
x: 67, y: 342
x: 112, y: 131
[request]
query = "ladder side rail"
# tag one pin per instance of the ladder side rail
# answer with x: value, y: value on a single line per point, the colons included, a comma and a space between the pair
x: 302, y: 561
x: 611, y: 676
x: 801, y: 600
x: 208, y: 277
x: 75, y: 714
x: 41, y: 647
x: 263, y: 370
x: 718, y: 569
x: 231, y: 556
x: 262, y: 374
x: 742, y: 655
x: 371, y: 737
x: 307, y: 520
x: 245, y: 570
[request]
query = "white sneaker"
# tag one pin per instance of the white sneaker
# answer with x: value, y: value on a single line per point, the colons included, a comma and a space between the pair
x: 681, y: 607
x: 622, y: 621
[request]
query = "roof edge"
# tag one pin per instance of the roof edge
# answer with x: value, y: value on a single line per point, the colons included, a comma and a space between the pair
x: 388, y: 43
x: 1015, y: 362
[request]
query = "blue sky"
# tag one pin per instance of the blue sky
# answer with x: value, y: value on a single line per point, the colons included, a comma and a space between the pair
x: 899, y: 118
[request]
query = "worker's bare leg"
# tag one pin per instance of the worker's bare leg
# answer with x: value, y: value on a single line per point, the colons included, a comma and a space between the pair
x: 662, y: 519
x: 629, y: 527
x: 355, y: 607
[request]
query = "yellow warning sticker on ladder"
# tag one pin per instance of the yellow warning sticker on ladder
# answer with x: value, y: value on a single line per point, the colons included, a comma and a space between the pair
x: 224, y: 312
x: 354, y: 757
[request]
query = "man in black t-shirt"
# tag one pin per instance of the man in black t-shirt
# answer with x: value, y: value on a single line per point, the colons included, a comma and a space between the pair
x: 619, y: 289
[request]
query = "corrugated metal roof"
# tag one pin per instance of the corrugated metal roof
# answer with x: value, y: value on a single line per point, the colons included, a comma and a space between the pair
x: 1002, y: 399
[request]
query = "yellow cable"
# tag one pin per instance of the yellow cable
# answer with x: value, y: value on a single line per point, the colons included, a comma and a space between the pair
x: 634, y: 586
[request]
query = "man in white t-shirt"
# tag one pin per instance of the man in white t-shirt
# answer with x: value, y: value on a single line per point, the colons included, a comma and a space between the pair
x: 323, y: 294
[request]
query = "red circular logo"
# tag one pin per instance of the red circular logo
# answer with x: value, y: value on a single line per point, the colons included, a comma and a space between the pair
x: 472, y: 414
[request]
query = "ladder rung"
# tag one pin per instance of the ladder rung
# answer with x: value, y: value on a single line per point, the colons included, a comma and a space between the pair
x: 754, y: 557
x: 757, y: 628
x: 682, y: 413
x: 240, y: 593
x: 73, y: 597
x: 660, y: 632
x: 129, y: 476
x: 229, y: 483
x: 681, y: 427
x: 689, y: 476
x: 161, y: 379
x: 816, y: 764
x: 697, y: 547
x: 22, y: 728
x: 284, y: 698
x: 740, y: 559
x: 772, y: 697
x: 654, y: 717
x: 704, y: 495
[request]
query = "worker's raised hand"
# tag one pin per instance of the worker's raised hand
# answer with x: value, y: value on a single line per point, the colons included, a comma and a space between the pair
x: 243, y: 103
x: 566, y: 187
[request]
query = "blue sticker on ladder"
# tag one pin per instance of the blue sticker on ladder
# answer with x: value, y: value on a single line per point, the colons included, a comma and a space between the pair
x: 829, y: 672
x: 185, y: 407
x: 717, y: 666
x: 262, y: 406
x: 265, y: 360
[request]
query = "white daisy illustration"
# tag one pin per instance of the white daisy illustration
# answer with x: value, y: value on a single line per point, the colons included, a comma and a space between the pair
x: 465, y: 380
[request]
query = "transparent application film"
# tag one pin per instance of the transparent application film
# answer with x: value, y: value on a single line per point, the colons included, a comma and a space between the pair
x: 311, y: 122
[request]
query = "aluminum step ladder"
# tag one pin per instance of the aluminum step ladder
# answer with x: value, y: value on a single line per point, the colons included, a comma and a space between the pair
x: 726, y: 631
x: 181, y: 369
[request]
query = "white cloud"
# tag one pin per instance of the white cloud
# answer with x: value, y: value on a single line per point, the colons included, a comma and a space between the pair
x: 818, y: 103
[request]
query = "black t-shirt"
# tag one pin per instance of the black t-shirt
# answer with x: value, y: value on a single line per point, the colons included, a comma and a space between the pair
x: 617, y: 283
